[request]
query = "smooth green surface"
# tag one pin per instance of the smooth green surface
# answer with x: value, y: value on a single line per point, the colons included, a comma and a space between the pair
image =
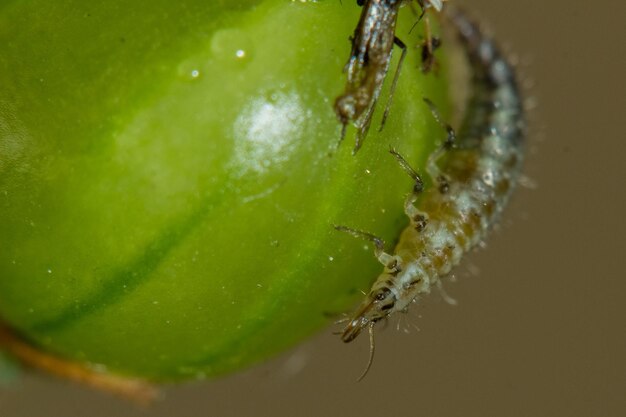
x: 169, y: 179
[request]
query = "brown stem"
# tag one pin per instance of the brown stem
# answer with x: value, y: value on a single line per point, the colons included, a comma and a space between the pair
x: 136, y: 390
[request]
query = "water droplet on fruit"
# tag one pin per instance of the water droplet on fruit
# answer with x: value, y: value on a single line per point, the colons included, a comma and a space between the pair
x: 189, y: 70
x: 232, y: 45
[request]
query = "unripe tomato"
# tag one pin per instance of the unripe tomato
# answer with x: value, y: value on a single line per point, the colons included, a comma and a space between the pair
x: 170, y: 174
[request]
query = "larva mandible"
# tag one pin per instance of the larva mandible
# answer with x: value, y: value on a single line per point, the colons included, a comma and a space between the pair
x: 478, y: 170
x: 372, y: 44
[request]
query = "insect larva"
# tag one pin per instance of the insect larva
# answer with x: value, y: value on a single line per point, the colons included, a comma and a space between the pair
x: 367, y: 67
x: 474, y: 181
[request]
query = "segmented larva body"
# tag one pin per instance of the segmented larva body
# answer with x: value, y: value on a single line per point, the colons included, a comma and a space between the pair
x: 475, y: 177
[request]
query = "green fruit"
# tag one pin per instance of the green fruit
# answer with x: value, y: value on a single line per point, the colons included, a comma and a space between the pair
x: 169, y: 178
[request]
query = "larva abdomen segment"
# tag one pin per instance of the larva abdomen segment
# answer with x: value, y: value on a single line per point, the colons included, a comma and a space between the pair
x: 480, y: 169
x: 482, y: 166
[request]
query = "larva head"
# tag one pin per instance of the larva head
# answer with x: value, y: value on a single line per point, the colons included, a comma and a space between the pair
x: 377, y: 305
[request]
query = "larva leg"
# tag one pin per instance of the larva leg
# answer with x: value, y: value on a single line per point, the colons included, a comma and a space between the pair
x: 430, y: 43
x: 444, y: 293
x: 419, y: 15
x: 418, y: 218
x: 364, y: 126
x: 431, y: 165
x: 429, y: 46
x: 389, y: 261
x: 402, y: 46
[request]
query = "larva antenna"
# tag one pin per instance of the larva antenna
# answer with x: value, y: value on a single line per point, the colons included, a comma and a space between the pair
x: 372, y: 349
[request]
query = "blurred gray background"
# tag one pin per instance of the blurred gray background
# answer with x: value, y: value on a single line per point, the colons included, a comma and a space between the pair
x: 540, y: 326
